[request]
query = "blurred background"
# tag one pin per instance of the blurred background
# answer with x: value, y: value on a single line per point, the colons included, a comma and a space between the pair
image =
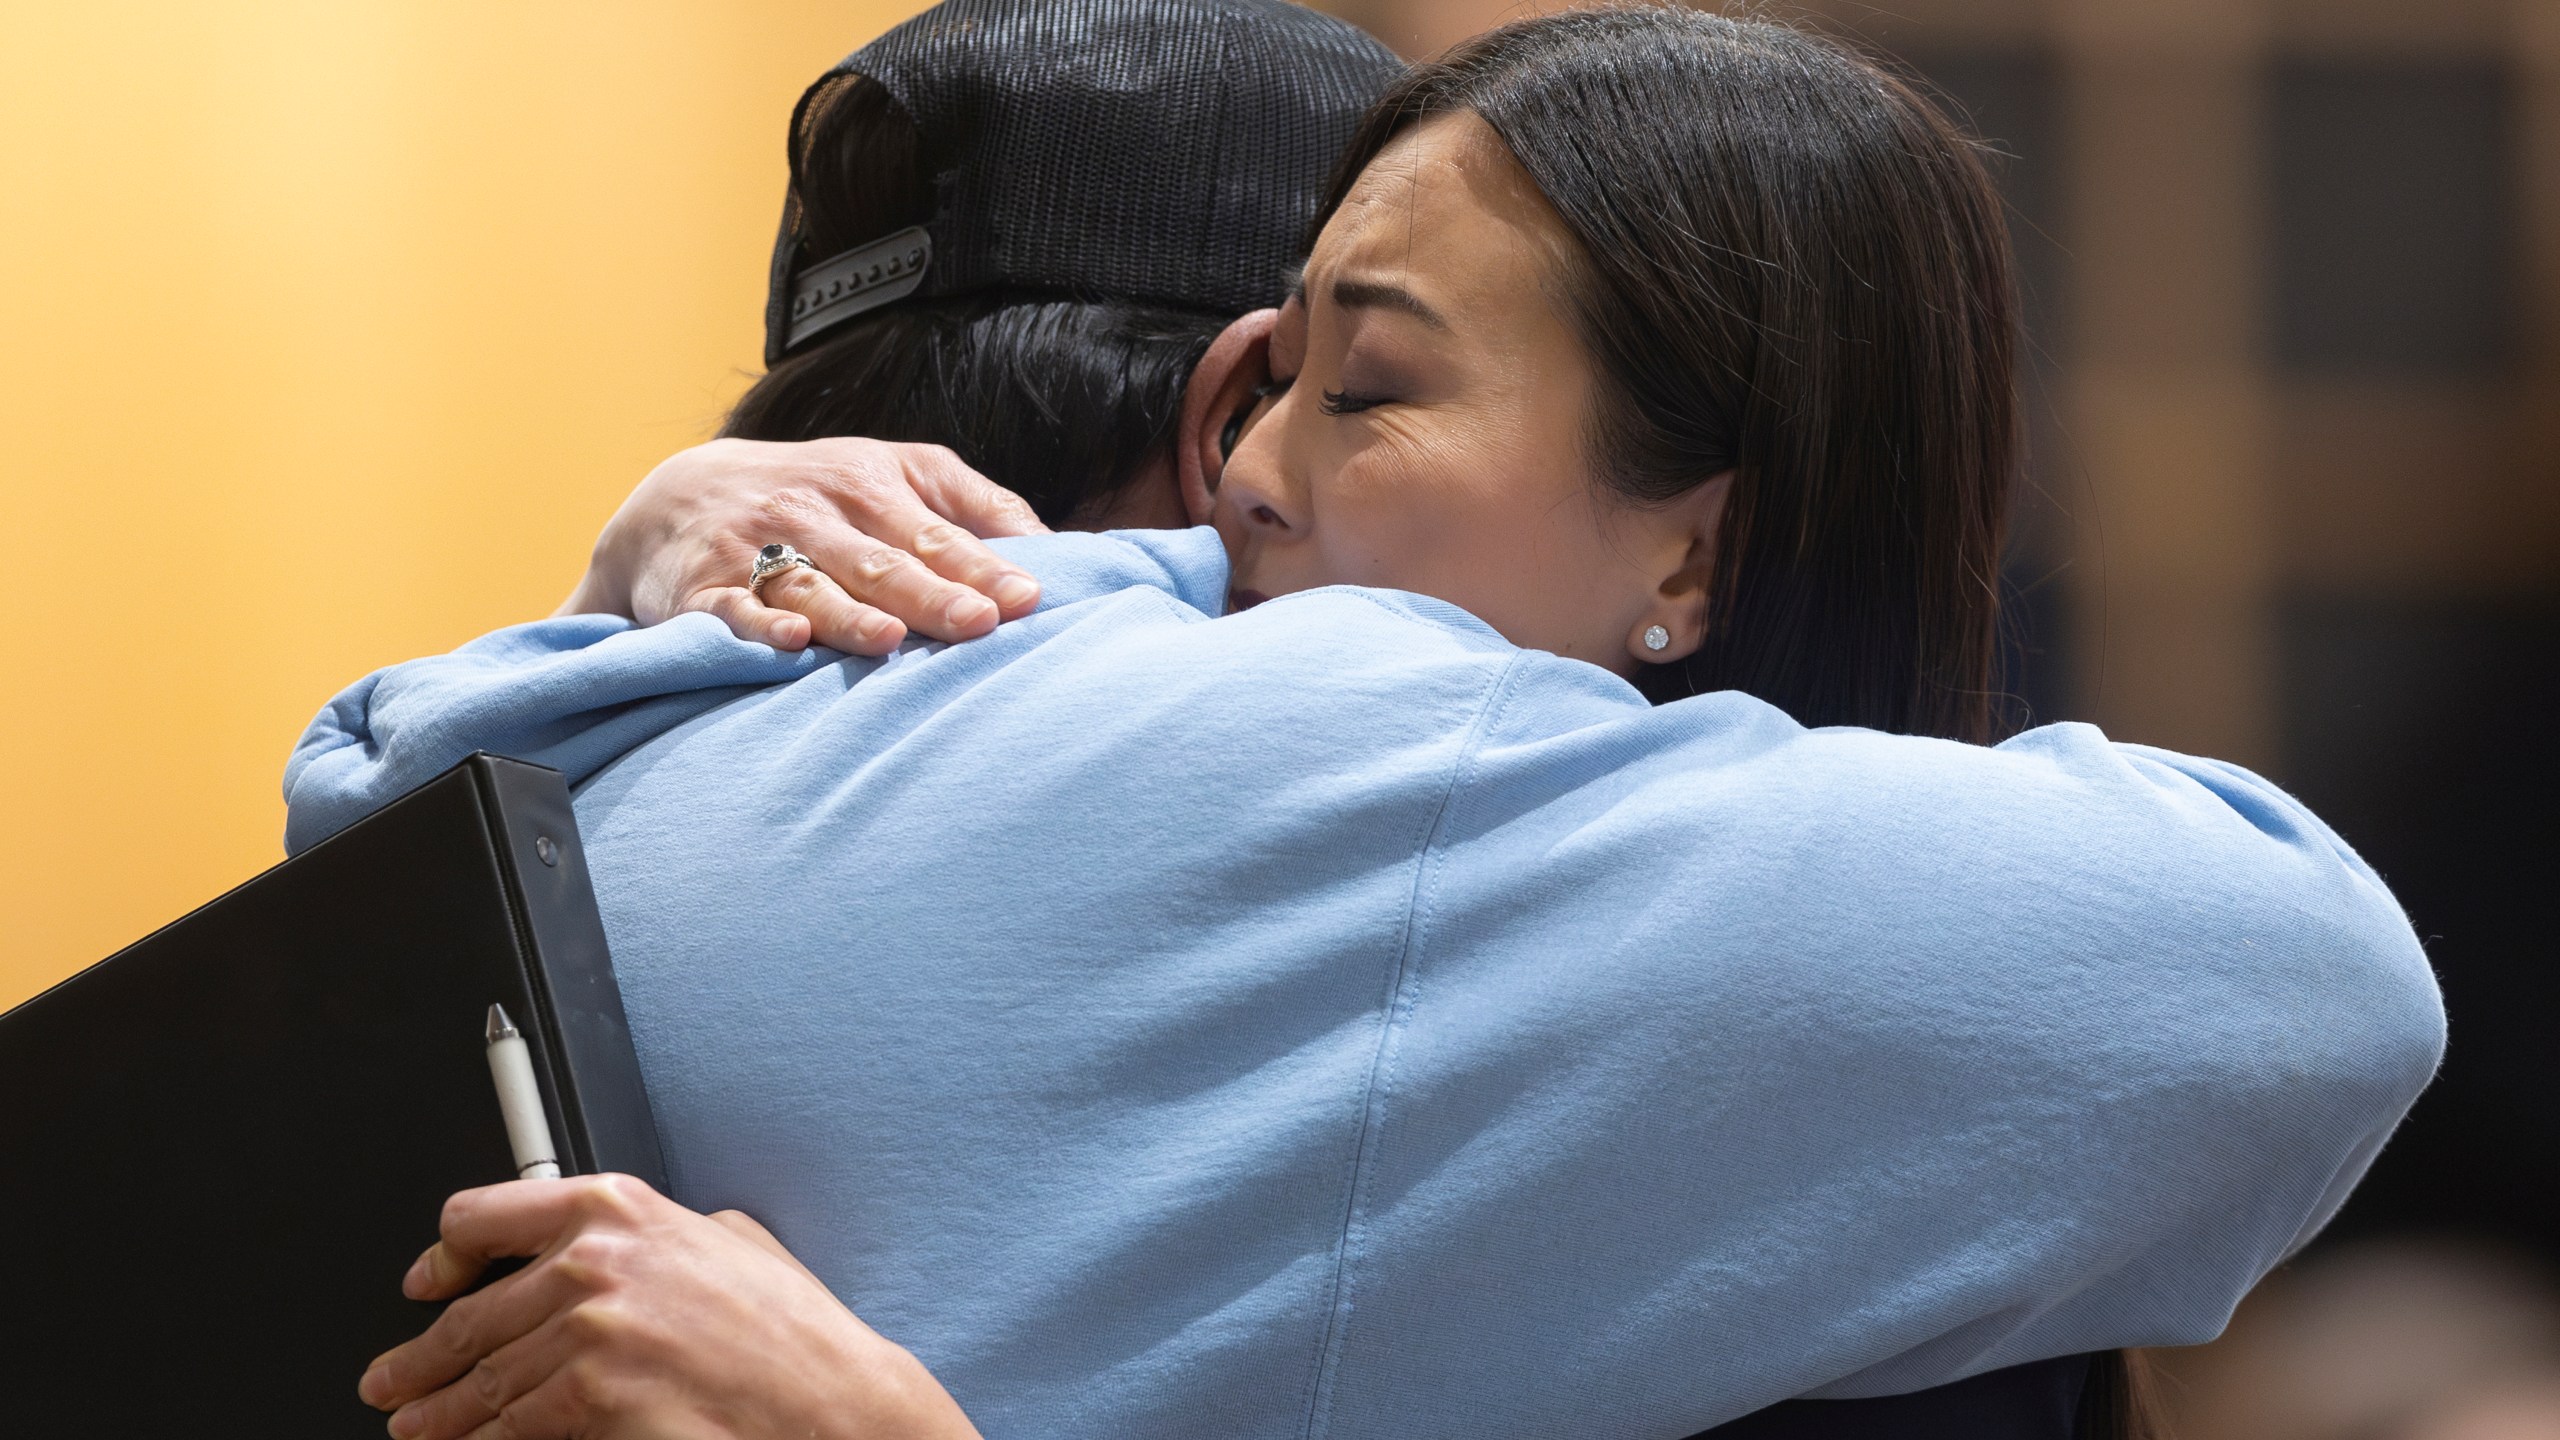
x: 334, y: 332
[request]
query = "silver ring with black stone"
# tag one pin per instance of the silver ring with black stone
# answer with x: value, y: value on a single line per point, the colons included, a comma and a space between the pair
x: 772, y: 560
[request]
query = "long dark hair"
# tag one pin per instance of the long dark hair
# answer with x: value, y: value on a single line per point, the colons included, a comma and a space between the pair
x: 1790, y: 265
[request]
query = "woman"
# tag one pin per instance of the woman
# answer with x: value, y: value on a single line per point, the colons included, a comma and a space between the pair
x: 1752, y: 433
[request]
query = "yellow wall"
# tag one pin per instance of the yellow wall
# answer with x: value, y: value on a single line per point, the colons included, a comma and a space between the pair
x: 329, y: 333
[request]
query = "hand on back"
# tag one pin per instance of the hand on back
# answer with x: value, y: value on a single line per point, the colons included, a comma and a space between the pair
x: 893, y: 531
x: 638, y: 1318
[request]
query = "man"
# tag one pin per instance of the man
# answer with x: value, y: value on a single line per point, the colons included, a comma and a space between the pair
x: 1072, y: 271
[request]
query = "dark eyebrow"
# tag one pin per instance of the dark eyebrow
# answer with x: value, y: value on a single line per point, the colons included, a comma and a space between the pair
x: 1381, y: 295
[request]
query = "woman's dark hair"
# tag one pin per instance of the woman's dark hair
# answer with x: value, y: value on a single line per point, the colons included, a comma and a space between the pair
x: 1059, y: 398
x: 1794, y: 267
x: 2120, y: 1401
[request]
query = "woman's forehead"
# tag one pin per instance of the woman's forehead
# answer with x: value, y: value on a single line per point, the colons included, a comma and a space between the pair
x: 1444, y: 211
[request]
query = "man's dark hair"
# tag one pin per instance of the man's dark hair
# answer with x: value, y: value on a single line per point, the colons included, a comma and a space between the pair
x: 1062, y: 399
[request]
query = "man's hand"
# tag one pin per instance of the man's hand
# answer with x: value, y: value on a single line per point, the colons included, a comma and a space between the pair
x: 894, y: 530
x: 639, y: 1318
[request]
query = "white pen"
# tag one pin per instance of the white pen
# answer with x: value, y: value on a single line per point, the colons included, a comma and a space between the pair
x: 520, y: 1100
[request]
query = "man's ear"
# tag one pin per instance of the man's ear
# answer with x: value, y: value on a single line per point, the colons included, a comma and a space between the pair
x: 1223, y: 386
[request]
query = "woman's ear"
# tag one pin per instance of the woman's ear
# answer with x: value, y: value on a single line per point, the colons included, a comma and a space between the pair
x: 1674, y: 622
x: 1223, y: 386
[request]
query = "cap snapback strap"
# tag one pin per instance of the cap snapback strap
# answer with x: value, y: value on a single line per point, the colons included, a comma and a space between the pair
x: 862, y: 279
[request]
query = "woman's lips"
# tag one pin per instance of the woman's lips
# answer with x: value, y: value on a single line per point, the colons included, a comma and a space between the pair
x: 1241, y: 600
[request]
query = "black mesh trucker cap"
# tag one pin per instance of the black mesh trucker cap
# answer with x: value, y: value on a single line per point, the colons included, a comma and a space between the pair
x: 1167, y: 151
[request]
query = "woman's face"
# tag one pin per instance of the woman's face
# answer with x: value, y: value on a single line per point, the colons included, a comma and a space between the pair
x: 1433, y: 433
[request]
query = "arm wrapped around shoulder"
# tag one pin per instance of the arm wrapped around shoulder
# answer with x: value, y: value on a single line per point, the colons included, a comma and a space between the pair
x: 573, y: 693
x: 577, y: 692
x: 2155, y: 1017
x: 1831, y: 1062
x: 2253, y: 952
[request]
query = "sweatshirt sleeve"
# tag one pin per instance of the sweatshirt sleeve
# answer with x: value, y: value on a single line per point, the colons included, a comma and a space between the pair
x: 1843, y: 1064
x: 572, y: 693
x: 577, y: 692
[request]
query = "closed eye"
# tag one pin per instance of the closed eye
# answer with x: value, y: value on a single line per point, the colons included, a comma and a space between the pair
x: 1336, y: 402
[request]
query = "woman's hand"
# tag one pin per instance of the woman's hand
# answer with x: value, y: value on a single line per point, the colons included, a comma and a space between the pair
x: 639, y: 1318
x: 894, y: 530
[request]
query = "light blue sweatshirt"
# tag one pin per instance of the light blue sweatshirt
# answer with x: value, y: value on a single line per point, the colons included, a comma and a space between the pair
x: 1332, y: 1020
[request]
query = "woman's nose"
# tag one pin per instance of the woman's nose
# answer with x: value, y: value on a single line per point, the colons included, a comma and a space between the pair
x: 1261, y: 495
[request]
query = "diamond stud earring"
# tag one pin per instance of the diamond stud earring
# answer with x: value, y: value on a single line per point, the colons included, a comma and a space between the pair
x: 1656, y: 638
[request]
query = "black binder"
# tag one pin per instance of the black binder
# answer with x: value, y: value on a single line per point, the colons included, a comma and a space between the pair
x: 220, y: 1147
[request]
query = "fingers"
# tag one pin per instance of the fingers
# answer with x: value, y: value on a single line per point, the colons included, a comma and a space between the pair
x: 879, y: 574
x: 561, y: 1407
x: 639, y: 1317
x: 520, y: 1217
x: 836, y: 620
x: 954, y: 554
x: 928, y: 508
x: 801, y: 607
x: 890, y: 523
x: 751, y: 619
x: 496, y: 1385
x: 582, y: 1228
x: 967, y: 505
x: 962, y: 495
x: 468, y: 1337
x: 480, y: 1226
